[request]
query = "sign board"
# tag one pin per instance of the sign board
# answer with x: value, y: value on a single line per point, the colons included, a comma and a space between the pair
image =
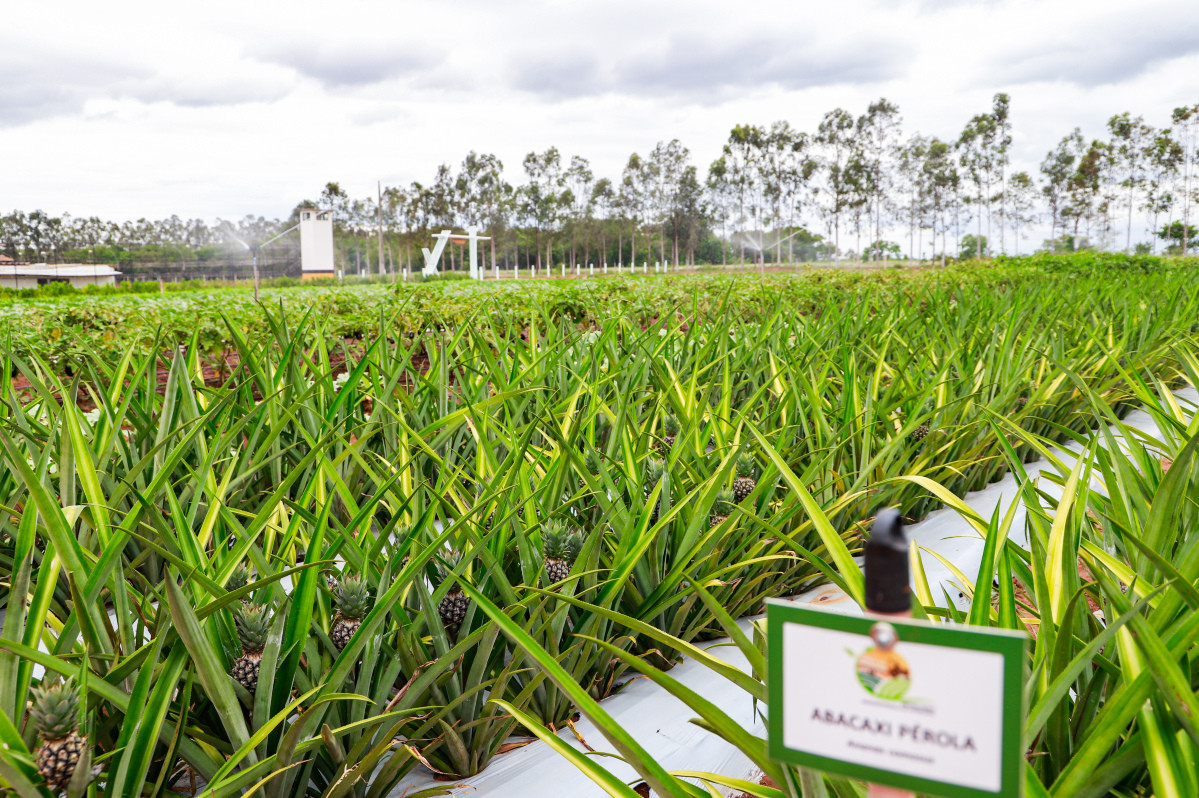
x: 932, y: 708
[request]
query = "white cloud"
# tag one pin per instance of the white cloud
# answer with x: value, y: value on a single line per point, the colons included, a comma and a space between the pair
x: 132, y: 109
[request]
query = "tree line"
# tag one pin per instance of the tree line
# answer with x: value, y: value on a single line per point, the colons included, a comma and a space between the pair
x: 855, y: 187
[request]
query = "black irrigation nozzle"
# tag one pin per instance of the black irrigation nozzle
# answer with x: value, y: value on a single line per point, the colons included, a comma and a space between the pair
x: 888, y: 586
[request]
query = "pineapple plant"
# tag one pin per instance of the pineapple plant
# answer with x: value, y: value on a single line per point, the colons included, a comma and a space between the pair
x: 722, y: 508
x: 746, y: 479
x: 670, y: 431
x: 55, y: 714
x: 252, y: 622
x: 562, y: 545
x: 353, y: 600
x: 453, y: 607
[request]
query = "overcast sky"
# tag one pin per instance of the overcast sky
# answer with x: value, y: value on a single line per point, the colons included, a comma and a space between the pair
x: 127, y: 109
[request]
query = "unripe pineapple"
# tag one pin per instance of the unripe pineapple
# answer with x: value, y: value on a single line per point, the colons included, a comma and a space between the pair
x: 1021, y: 402
x: 353, y: 600
x: 670, y: 431
x: 746, y: 479
x: 253, y: 622
x: 453, y: 607
x: 55, y: 715
x: 562, y: 546
x: 920, y: 433
x: 723, y: 507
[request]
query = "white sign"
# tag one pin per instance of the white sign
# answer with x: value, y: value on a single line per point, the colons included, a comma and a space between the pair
x: 931, y: 707
x: 946, y: 724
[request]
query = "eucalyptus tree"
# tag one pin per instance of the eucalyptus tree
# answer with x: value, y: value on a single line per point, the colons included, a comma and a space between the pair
x: 632, y: 201
x: 542, y: 197
x: 496, y: 197
x: 1164, y: 156
x: 910, y: 159
x: 720, y: 198
x: 740, y: 154
x: 784, y: 168
x: 1084, y: 186
x: 688, y: 217
x: 1128, y: 151
x: 877, y: 133
x: 1059, y: 164
x: 976, y: 155
x: 602, y: 204
x: 578, y: 180
x: 397, y: 220
x: 941, y: 182
x: 665, y: 168
x: 1185, y: 120
x: 1001, y: 143
x: 1021, y: 203
x: 835, y: 137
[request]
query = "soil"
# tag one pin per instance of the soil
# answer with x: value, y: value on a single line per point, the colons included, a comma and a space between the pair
x: 217, y: 372
x: 765, y: 781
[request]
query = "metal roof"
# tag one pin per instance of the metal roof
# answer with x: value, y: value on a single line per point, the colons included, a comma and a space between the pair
x: 56, y: 270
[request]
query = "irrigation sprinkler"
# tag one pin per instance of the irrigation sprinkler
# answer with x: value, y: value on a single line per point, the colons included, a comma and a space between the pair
x: 888, y: 593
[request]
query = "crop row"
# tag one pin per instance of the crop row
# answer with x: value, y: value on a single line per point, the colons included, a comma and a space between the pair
x: 293, y: 577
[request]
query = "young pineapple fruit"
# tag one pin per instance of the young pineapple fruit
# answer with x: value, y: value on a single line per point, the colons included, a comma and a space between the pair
x: 670, y: 431
x: 920, y: 433
x: 55, y: 715
x: 747, y: 478
x: 453, y: 607
x: 723, y: 507
x: 353, y: 600
x: 252, y: 622
x: 654, y: 470
x: 562, y: 546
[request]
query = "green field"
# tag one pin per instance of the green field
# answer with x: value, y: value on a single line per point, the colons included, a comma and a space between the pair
x: 429, y: 517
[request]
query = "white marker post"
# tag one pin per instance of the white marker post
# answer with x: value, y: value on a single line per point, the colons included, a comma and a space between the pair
x: 888, y: 591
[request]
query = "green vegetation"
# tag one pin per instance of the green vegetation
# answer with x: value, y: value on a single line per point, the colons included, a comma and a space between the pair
x: 402, y: 525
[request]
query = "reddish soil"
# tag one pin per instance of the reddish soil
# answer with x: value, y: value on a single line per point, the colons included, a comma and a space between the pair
x: 216, y: 371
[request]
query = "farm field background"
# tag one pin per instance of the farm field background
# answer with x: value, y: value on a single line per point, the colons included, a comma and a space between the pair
x: 394, y: 508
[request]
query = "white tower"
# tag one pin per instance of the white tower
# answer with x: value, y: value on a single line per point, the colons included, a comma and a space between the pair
x: 316, y: 243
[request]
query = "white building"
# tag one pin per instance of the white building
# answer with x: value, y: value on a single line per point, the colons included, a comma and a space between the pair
x: 80, y: 275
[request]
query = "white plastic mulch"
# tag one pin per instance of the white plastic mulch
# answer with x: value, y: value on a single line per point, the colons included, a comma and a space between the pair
x: 662, y: 723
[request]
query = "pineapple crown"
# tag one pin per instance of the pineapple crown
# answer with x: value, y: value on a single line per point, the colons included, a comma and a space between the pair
x: 239, y: 578
x: 724, y: 502
x: 55, y: 709
x: 561, y: 542
x: 746, y: 467
x: 446, y: 567
x: 670, y: 425
x: 353, y: 597
x: 252, y: 622
x: 654, y: 469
